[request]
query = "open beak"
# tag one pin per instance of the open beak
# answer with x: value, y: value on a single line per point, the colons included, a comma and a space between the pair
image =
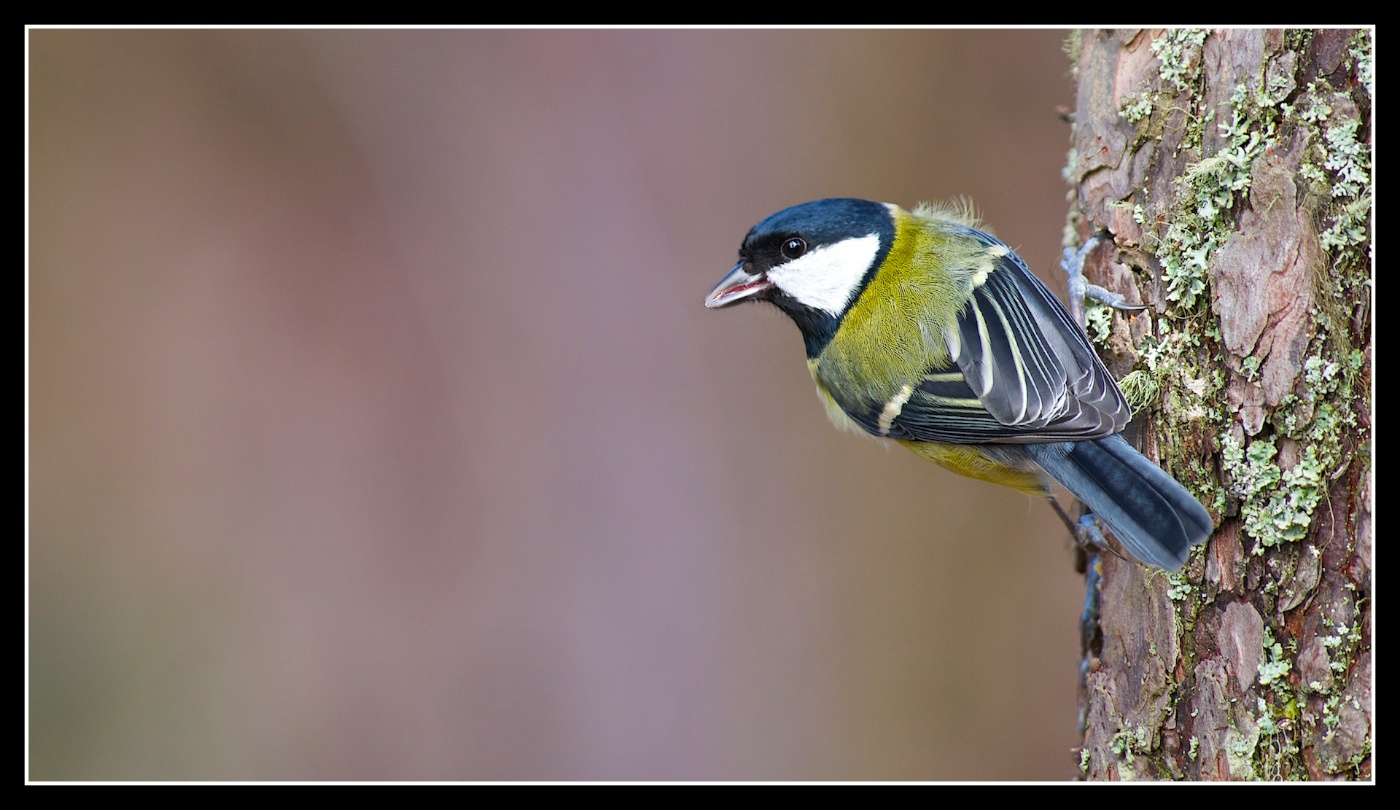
x: 737, y: 286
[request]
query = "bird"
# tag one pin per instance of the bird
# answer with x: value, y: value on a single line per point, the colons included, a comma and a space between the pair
x: 922, y: 328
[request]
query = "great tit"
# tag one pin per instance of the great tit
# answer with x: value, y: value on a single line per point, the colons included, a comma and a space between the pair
x: 924, y: 329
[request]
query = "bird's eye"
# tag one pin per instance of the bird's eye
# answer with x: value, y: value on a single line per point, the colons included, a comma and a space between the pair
x: 794, y: 247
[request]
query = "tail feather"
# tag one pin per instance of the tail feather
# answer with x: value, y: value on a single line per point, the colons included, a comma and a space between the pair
x: 1154, y: 517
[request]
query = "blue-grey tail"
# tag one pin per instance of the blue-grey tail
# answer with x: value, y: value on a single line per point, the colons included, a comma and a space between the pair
x: 1156, y: 519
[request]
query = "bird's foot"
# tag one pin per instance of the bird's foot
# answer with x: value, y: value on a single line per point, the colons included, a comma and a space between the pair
x: 1090, y: 632
x: 1088, y: 533
x: 1072, y: 262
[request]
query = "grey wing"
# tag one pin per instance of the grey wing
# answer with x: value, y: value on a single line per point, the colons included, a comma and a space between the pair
x: 1020, y: 370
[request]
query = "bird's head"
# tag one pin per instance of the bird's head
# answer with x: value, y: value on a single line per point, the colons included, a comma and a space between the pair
x: 811, y: 261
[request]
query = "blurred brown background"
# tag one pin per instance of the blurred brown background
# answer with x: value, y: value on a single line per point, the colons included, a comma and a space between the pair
x: 377, y: 430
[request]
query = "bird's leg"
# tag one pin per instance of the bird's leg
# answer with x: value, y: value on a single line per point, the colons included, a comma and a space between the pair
x: 1090, y: 541
x: 1072, y: 262
x: 1087, y: 531
x: 1090, y: 634
x: 1090, y: 535
x: 1060, y: 510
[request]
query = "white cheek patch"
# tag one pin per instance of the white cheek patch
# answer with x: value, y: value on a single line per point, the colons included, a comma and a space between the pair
x: 826, y: 277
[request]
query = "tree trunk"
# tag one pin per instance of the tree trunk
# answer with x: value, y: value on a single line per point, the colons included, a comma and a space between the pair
x: 1232, y: 170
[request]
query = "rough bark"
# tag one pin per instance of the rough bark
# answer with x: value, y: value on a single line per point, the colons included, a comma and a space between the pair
x: 1232, y: 171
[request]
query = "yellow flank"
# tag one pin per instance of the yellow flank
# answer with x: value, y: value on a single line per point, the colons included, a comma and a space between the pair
x: 834, y: 411
x: 963, y: 459
x: 968, y: 460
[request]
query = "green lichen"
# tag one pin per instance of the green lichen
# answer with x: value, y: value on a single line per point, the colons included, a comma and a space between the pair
x: 1346, y: 165
x: 1209, y: 194
x: 1347, y: 158
x: 1137, y: 107
x: 1212, y: 189
x: 1249, y: 367
x: 1263, y: 744
x: 1098, y: 321
x: 1163, y: 355
x: 1265, y: 720
x: 1068, y: 174
x: 1179, y: 588
x: 1071, y: 47
x: 1292, y: 505
x: 1278, y: 748
x: 1363, y: 51
x: 1273, y: 663
x: 1127, y: 743
x: 1277, y: 505
x: 1179, y: 51
x: 1338, y: 165
x: 1240, y: 744
x: 1141, y: 389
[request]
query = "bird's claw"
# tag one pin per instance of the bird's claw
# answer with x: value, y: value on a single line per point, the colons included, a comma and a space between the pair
x: 1072, y: 262
x: 1089, y: 535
